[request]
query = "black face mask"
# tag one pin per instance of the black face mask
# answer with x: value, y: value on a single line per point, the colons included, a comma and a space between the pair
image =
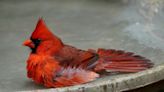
x: 36, y: 43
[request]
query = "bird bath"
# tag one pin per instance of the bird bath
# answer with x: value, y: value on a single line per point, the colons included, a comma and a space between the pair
x: 134, y: 25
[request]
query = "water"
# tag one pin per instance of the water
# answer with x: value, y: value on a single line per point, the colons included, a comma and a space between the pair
x: 84, y: 24
x: 146, y: 29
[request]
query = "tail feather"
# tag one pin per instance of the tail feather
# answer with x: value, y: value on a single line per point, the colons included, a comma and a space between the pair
x: 120, y: 61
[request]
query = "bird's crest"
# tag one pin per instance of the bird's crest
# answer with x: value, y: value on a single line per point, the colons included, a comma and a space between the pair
x: 41, y: 31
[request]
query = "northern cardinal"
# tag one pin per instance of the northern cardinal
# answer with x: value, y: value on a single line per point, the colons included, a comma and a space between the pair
x: 55, y: 64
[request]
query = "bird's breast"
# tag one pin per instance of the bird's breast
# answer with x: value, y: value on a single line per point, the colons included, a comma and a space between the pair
x: 42, y: 69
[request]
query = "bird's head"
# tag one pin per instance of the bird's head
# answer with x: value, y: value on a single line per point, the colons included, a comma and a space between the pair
x: 42, y: 41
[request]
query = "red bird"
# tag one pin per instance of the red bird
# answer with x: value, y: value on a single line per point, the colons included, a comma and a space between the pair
x: 55, y: 64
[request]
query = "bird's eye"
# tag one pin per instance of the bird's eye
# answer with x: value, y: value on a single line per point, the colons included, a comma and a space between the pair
x: 36, y: 41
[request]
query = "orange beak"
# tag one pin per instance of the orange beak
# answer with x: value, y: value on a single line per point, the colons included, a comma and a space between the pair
x: 29, y: 43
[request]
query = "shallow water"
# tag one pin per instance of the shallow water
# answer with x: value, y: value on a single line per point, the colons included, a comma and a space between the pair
x: 84, y: 24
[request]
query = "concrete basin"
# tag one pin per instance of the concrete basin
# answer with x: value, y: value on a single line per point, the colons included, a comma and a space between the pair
x: 134, y: 25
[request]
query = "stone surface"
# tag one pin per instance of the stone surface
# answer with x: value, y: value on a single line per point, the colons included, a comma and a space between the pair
x: 134, y: 26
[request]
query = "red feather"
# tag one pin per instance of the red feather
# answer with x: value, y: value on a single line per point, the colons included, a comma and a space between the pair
x: 73, y: 76
x: 55, y: 64
x: 120, y: 61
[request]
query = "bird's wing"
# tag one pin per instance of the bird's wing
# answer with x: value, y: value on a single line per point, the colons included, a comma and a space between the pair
x: 71, y: 56
x: 73, y: 76
x: 121, y: 61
